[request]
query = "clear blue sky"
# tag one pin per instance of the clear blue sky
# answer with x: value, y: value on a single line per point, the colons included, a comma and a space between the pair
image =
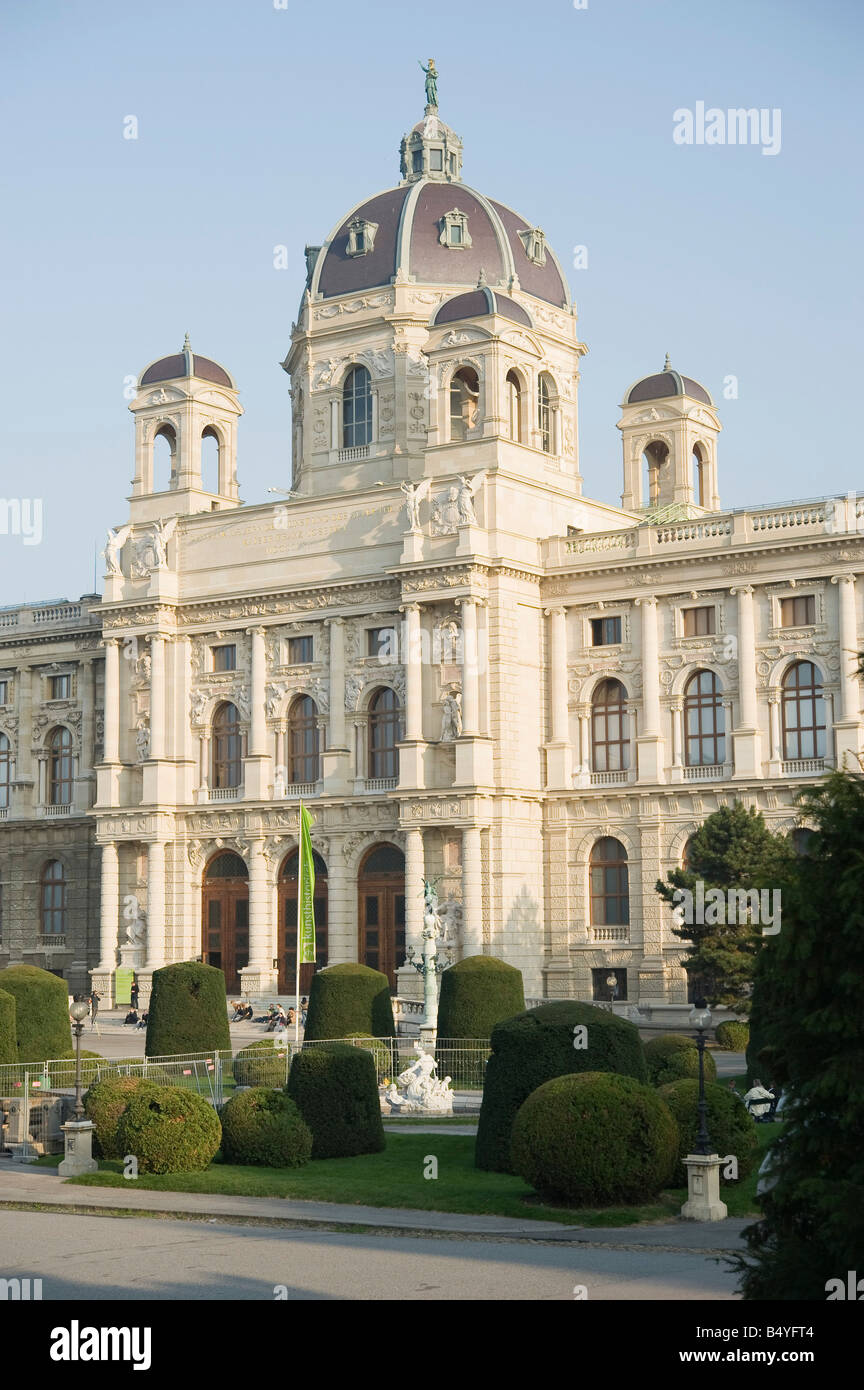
x: 260, y: 126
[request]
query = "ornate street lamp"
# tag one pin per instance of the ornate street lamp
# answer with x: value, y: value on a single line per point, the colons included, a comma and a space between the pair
x: 78, y: 1012
x: 702, y: 1166
x: 78, y: 1132
x: 700, y: 1019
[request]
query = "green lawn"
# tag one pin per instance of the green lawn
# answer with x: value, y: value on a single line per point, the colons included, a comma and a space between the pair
x: 394, y: 1178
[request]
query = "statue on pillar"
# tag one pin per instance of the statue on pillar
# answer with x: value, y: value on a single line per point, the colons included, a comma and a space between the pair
x: 451, y: 715
x: 414, y: 495
x: 431, y: 82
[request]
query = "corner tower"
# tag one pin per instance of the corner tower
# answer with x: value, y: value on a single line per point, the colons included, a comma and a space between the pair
x: 669, y: 429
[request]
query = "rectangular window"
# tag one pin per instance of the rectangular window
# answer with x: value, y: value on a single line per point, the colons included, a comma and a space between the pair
x: 382, y: 642
x: 299, y: 650
x: 436, y: 159
x: 418, y: 161
x: 609, y: 984
x: 605, y: 632
x: 4, y: 692
x: 699, y: 622
x: 225, y: 658
x: 60, y: 688
x: 799, y: 611
x: 455, y: 234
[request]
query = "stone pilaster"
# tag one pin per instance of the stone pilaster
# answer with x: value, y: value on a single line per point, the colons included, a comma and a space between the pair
x: 746, y: 739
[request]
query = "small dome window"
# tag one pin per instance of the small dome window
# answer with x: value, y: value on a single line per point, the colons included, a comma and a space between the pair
x: 534, y: 241
x: 361, y: 237
x: 454, y: 230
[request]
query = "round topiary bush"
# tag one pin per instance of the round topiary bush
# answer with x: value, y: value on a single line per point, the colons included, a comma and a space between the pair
x: 262, y: 1063
x: 264, y: 1126
x: 42, y: 1027
x: 477, y: 993
x: 536, y: 1046
x: 104, y: 1104
x: 8, y: 1040
x: 335, y: 1089
x: 731, y: 1129
x: 188, y: 1011
x: 595, y: 1138
x: 169, y: 1130
x: 346, y: 999
x: 732, y: 1036
x: 674, y: 1055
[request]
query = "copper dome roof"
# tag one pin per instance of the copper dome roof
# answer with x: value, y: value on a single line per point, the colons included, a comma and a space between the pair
x: 185, y: 364
x: 664, y: 384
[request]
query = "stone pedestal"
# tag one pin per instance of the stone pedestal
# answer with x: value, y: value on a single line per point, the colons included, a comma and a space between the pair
x: 102, y: 980
x: 256, y: 981
x: 78, y: 1138
x: 703, y: 1189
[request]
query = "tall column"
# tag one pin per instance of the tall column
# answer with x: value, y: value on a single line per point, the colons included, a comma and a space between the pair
x: 24, y: 762
x: 746, y: 739
x: 256, y: 772
x: 112, y: 701
x: 677, y: 710
x: 472, y: 893
x: 157, y: 696
x: 469, y: 667
x: 109, y: 909
x: 650, y: 742
x: 262, y: 926
x: 413, y: 674
x: 155, y: 905
x: 341, y: 909
x: 847, y: 736
x: 774, y: 714
x: 559, y: 754
x: 336, y: 758
x: 409, y: 983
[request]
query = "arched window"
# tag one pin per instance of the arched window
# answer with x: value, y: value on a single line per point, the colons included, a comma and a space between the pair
x: 803, y: 712
x: 687, y: 853
x: 464, y: 402
x: 210, y: 460
x: 164, y: 459
x: 5, y: 771
x: 545, y: 413
x: 700, y: 475
x: 357, y: 409
x: 53, y: 889
x: 227, y: 748
x: 303, y: 741
x: 654, y: 460
x: 385, y: 730
x: 61, y: 769
x: 610, y: 900
x: 513, y: 407
x: 704, y: 722
x: 610, y: 737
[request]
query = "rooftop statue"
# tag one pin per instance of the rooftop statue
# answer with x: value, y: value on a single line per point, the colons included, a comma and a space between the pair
x: 431, y: 82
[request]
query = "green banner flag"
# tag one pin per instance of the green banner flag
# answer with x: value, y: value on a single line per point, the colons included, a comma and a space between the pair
x: 306, y: 891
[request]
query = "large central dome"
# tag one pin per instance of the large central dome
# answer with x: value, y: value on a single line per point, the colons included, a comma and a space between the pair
x: 435, y: 230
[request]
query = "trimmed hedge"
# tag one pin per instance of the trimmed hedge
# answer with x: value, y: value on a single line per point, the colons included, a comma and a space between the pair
x: 8, y: 1039
x: 536, y: 1046
x: 594, y: 1138
x: 732, y: 1036
x: 385, y: 1054
x: 336, y: 1091
x: 264, y: 1126
x: 673, y: 1056
x: 187, y: 1011
x: 104, y: 1104
x: 731, y: 1129
x: 261, y: 1063
x: 42, y: 1027
x: 477, y: 993
x: 346, y: 1000
x: 169, y: 1130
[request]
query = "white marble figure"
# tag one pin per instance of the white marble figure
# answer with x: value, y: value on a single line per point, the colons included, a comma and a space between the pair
x: 414, y: 495
x: 445, y: 513
x: 150, y: 551
x: 136, y: 921
x: 431, y: 917
x: 451, y: 716
x: 115, y: 543
x: 142, y: 739
x: 467, y: 489
x: 423, y: 1088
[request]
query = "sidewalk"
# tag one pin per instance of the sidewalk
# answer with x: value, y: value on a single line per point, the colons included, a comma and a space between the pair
x: 23, y: 1184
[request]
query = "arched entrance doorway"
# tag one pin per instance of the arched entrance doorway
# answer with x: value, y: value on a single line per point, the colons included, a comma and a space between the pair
x: 225, y: 916
x: 288, y: 924
x: 381, y: 891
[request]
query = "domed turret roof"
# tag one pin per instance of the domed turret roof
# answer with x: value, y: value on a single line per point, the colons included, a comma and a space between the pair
x: 402, y: 234
x: 475, y: 303
x: 185, y: 363
x: 664, y: 384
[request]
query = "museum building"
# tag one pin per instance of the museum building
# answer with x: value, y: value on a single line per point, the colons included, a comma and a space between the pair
x: 471, y: 672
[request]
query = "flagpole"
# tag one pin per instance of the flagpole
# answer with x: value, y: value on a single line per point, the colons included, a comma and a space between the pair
x: 299, y: 926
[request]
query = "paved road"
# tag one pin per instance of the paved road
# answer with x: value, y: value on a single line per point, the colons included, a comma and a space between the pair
x: 92, y: 1257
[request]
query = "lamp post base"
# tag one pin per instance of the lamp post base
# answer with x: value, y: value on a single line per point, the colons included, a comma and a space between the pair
x: 703, y: 1189
x: 78, y: 1139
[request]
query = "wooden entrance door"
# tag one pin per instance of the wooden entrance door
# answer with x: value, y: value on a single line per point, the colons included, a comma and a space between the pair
x: 288, y: 925
x: 225, y: 917
x: 381, y: 916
